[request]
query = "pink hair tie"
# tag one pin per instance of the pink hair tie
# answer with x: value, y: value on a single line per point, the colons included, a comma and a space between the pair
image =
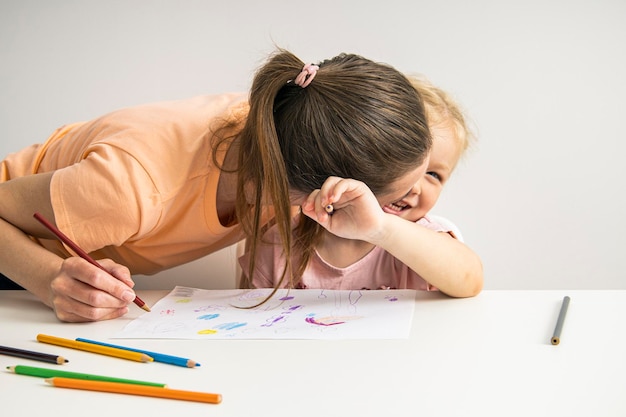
x: 306, y: 75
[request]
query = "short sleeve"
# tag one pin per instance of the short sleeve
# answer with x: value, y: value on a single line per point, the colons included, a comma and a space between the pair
x: 269, y: 262
x: 105, y: 199
x: 441, y: 224
x: 262, y: 271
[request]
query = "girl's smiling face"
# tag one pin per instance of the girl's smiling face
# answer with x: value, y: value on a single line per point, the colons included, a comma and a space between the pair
x: 398, y: 189
x: 423, y: 195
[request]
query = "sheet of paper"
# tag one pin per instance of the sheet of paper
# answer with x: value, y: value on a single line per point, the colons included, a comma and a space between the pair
x: 190, y: 313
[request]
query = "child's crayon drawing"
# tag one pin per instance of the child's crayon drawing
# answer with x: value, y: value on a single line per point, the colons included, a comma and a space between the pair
x: 191, y: 313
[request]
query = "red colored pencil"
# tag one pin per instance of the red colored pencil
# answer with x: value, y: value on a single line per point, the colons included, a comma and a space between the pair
x: 140, y: 303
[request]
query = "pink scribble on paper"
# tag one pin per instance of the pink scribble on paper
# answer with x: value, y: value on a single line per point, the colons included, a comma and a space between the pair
x: 322, y: 323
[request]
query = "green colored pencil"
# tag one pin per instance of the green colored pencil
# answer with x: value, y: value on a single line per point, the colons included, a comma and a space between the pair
x: 51, y: 373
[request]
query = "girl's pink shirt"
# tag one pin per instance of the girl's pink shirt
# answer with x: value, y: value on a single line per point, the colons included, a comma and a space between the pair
x: 138, y: 185
x: 376, y: 270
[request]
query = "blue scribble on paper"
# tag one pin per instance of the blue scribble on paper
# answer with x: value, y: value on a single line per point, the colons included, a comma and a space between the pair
x: 230, y: 326
x: 208, y: 316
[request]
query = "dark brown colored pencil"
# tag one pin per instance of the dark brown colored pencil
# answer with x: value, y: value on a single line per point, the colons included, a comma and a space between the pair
x: 28, y: 354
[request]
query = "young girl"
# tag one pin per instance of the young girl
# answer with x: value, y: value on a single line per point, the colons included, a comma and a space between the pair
x: 359, y: 245
x: 150, y: 187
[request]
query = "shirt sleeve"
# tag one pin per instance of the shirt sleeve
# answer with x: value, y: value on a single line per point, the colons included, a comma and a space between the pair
x: 269, y: 262
x: 105, y: 199
x: 261, y: 278
x: 441, y: 224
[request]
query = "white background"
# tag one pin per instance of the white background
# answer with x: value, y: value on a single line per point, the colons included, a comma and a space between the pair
x: 540, y: 196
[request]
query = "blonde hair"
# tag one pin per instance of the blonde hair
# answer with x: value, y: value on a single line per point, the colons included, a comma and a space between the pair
x: 354, y: 118
x: 441, y: 108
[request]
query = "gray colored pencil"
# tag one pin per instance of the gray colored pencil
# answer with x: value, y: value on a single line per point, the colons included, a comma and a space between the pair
x: 556, y: 337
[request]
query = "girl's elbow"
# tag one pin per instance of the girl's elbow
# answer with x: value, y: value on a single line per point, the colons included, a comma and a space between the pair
x: 474, y: 281
x: 471, y: 283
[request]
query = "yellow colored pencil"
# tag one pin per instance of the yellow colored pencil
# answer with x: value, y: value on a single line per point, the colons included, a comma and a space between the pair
x: 89, y: 347
x: 132, y: 389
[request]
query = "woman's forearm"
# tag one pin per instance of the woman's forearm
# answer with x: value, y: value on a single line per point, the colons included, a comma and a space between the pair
x: 27, y: 263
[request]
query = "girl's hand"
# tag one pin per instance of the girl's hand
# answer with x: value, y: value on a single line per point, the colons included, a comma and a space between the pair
x: 82, y: 292
x: 356, y: 211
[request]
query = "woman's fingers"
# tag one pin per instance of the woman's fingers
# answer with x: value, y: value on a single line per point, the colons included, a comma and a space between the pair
x: 83, y: 292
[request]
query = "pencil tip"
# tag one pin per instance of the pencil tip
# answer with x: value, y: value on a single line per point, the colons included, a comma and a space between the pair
x: 145, y: 307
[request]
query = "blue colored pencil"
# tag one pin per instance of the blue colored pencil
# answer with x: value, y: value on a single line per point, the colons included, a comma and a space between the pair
x: 157, y: 357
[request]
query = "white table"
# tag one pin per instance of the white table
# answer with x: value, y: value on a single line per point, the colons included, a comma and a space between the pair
x: 489, y: 355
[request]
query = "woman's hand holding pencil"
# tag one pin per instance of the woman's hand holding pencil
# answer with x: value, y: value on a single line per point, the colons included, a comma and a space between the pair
x: 80, y: 293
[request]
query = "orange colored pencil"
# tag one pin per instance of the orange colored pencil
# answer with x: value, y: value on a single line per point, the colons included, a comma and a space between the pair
x: 89, y: 347
x: 63, y: 238
x: 132, y: 389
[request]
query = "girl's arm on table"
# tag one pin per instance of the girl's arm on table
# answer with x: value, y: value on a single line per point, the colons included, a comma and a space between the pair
x: 438, y: 258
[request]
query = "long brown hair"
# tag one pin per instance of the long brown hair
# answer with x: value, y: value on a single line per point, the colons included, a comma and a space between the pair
x: 357, y: 119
